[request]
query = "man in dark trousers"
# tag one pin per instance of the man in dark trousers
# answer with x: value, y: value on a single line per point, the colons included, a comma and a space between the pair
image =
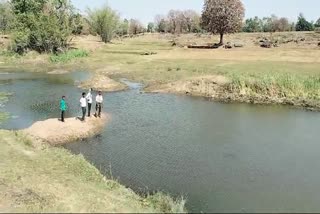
x: 89, y: 99
x: 83, y: 104
x: 99, y: 103
x: 63, y: 107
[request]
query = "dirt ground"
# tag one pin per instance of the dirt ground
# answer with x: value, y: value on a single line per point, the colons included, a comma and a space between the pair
x: 55, y: 132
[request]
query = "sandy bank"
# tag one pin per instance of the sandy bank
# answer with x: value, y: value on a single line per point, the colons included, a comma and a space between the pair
x: 55, y: 132
x: 101, y: 82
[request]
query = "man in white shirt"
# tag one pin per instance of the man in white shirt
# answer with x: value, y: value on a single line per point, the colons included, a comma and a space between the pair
x: 99, y: 103
x: 89, y: 99
x: 83, y: 104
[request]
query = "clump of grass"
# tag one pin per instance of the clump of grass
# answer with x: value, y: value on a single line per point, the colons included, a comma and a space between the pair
x: 7, y: 53
x: 24, y: 139
x: 3, y: 116
x: 166, y: 204
x: 68, y: 56
x: 3, y: 98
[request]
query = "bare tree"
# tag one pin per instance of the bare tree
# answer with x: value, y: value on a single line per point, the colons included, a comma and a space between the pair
x: 222, y: 16
x: 161, y: 24
x: 175, y: 21
x: 191, y: 21
x: 284, y: 24
x: 135, y: 27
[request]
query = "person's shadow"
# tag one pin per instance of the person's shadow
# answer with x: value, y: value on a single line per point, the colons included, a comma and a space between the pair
x: 80, y: 118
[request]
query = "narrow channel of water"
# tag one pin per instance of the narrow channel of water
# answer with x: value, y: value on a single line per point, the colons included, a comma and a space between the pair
x: 221, y: 157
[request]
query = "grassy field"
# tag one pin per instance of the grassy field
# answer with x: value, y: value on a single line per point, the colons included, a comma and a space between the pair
x: 35, y: 178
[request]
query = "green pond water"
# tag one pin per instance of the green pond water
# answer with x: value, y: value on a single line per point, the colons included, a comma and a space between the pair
x: 220, y: 157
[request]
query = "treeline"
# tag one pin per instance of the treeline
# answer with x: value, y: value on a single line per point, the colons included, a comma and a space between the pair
x: 178, y: 21
x: 189, y: 21
x: 276, y: 24
x: 48, y: 25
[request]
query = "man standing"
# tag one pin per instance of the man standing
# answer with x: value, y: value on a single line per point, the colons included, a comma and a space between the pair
x: 99, y: 101
x: 83, y: 104
x: 63, y: 107
x: 89, y: 99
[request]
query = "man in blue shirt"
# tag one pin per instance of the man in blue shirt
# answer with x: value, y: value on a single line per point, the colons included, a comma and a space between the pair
x: 63, y: 107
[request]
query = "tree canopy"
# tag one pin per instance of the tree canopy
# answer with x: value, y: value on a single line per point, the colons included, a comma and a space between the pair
x: 317, y: 24
x: 222, y: 16
x: 303, y: 24
x: 104, y: 22
x: 41, y: 25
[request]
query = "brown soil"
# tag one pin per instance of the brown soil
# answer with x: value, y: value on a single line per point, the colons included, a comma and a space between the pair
x: 55, y: 132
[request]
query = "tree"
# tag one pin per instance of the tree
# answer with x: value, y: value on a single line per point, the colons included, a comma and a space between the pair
x: 303, y: 24
x: 41, y: 25
x: 317, y: 24
x: 104, y: 21
x: 191, y: 21
x: 222, y: 16
x: 161, y: 24
x: 135, y: 27
x: 28, y: 6
x: 123, y: 28
x: 150, y: 28
x: 253, y: 25
x: 175, y: 21
x: 6, y: 16
x: 77, y: 23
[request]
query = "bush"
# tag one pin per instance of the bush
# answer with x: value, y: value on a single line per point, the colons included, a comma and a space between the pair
x: 104, y: 22
x: 42, y: 25
x: 68, y: 56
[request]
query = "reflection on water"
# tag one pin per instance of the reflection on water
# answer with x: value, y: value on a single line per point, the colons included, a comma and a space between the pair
x: 222, y: 157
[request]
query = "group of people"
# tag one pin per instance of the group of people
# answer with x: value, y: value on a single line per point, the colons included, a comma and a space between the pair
x: 86, y: 101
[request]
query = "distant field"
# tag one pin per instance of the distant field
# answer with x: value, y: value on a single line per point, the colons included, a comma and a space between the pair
x: 176, y: 62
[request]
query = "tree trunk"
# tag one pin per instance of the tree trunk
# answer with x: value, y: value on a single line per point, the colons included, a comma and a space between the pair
x: 221, y: 39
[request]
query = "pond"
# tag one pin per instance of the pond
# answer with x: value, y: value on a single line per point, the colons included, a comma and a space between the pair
x: 220, y: 157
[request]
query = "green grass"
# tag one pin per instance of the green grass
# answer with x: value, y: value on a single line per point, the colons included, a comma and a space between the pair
x: 69, y: 56
x: 3, y: 116
x: 281, y: 85
x: 3, y: 99
x: 38, y: 178
x: 6, y: 53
